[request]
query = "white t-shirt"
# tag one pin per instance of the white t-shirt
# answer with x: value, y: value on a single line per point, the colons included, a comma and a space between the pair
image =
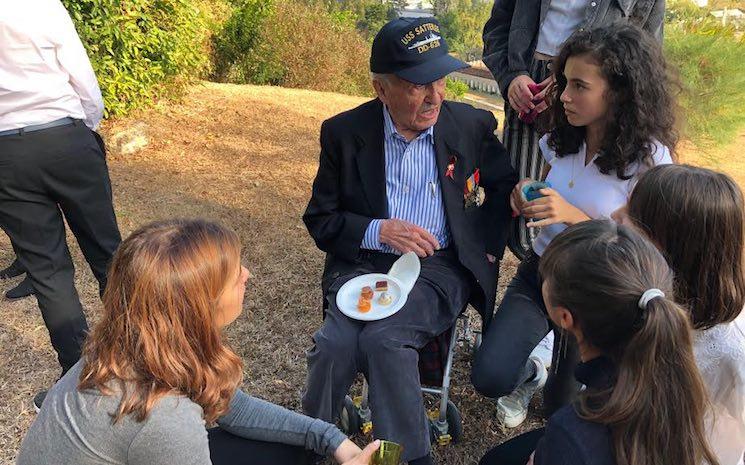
x: 562, y: 19
x: 720, y: 356
x: 595, y: 193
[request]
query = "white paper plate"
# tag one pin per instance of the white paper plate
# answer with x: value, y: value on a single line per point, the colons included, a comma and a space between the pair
x: 349, y: 294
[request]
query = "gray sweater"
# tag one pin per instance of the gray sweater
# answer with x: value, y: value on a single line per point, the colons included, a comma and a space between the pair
x: 75, y: 427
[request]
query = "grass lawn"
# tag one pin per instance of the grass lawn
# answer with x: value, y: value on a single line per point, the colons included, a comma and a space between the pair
x: 245, y: 156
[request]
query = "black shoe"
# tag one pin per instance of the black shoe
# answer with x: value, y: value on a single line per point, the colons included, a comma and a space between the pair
x: 39, y: 399
x: 23, y: 289
x: 15, y: 269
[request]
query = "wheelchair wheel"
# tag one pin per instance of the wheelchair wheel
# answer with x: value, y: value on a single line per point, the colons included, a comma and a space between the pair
x: 349, y: 421
x: 477, y: 338
x: 455, y: 422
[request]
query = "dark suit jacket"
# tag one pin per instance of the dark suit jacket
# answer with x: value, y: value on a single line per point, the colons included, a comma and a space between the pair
x: 349, y: 191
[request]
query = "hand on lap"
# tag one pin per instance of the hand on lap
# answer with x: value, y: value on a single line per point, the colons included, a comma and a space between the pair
x: 407, y: 237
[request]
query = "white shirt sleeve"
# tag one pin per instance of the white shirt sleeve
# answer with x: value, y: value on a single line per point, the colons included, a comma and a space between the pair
x: 546, y: 151
x: 73, y: 58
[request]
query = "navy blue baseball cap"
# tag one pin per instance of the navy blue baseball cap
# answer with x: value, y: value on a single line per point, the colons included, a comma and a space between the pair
x: 413, y: 49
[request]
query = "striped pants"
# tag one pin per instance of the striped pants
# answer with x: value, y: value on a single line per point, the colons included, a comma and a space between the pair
x: 521, y: 141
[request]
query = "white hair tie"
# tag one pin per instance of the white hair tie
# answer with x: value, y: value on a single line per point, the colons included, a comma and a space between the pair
x: 648, y: 295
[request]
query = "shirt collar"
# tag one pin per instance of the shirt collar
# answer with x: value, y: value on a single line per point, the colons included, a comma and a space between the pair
x: 389, y: 129
x: 598, y: 373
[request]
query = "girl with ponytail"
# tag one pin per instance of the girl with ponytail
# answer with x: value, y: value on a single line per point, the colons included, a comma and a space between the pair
x: 610, y: 290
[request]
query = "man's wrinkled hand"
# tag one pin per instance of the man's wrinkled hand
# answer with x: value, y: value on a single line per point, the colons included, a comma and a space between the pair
x: 407, y: 237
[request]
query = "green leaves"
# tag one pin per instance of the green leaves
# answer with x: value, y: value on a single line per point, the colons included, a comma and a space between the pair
x: 143, y: 49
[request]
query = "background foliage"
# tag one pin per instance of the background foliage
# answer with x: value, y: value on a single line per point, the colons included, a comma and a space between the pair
x: 143, y: 50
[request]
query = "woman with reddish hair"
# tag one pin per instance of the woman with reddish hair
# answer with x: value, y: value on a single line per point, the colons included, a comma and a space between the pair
x: 156, y: 373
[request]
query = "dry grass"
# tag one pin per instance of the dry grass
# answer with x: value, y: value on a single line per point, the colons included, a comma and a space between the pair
x: 245, y: 156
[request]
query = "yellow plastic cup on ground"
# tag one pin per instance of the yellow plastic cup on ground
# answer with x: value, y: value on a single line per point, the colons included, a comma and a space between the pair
x: 389, y: 453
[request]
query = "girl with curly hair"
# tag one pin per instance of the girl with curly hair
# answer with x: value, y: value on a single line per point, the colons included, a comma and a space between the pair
x: 156, y: 371
x: 612, y: 118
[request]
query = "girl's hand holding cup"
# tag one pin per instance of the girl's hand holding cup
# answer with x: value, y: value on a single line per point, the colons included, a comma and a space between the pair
x: 517, y: 200
x: 552, y: 208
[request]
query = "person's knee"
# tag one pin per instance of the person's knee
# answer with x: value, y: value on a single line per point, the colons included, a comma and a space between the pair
x: 374, y: 343
x: 330, y: 343
x: 492, y: 379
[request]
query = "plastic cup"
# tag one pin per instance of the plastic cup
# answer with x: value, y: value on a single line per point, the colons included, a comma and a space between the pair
x: 389, y: 453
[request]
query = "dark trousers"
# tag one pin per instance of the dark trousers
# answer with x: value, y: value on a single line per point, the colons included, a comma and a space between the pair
x: 228, y: 449
x: 45, y: 175
x: 386, y: 351
x: 516, y: 451
x: 519, y: 324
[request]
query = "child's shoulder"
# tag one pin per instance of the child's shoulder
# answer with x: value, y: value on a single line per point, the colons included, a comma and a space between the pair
x: 661, y: 154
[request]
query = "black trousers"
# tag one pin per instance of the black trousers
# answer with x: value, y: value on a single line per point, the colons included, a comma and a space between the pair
x: 516, y: 451
x: 519, y: 324
x: 44, y: 175
x: 228, y: 449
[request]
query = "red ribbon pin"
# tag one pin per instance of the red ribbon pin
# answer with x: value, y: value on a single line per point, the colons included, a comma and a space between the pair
x: 450, y: 171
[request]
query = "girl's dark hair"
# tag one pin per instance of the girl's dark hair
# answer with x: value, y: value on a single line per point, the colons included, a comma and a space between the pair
x: 640, y: 98
x: 697, y: 218
x: 655, y: 408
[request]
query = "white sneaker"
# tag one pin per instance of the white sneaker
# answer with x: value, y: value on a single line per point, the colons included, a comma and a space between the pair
x: 513, y: 409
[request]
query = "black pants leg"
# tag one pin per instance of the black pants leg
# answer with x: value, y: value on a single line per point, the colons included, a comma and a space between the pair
x: 516, y: 451
x: 90, y: 213
x: 43, y: 174
x: 519, y: 324
x: 228, y: 449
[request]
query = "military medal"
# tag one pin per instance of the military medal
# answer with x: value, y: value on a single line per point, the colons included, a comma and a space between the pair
x: 473, y: 194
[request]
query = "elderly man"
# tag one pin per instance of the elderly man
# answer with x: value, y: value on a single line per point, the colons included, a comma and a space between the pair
x: 407, y: 171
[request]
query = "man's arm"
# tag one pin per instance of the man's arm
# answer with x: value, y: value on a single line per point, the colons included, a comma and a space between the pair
x: 72, y: 57
x: 498, y: 178
x: 496, y: 38
x: 335, y: 231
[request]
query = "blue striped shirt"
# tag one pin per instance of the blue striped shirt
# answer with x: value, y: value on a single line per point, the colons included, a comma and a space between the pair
x: 412, y: 186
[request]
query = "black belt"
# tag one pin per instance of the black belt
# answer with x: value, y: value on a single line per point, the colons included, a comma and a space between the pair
x: 38, y: 127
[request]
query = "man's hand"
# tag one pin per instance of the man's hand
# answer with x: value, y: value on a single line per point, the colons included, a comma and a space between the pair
x: 359, y: 458
x: 407, y: 237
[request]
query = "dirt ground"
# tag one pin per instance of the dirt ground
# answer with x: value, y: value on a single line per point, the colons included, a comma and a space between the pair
x: 245, y: 156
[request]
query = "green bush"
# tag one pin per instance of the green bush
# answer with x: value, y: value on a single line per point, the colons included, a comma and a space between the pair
x: 292, y: 44
x: 462, y: 24
x: 454, y: 89
x: 711, y: 62
x: 143, y: 49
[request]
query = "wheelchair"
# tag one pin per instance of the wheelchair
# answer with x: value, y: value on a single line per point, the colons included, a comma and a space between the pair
x: 435, y: 365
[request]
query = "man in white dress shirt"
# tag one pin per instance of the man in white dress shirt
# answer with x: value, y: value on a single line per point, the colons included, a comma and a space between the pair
x: 52, y: 164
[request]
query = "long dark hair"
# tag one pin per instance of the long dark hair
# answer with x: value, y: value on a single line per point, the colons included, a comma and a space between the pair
x: 697, y: 218
x: 655, y: 408
x: 641, y: 97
